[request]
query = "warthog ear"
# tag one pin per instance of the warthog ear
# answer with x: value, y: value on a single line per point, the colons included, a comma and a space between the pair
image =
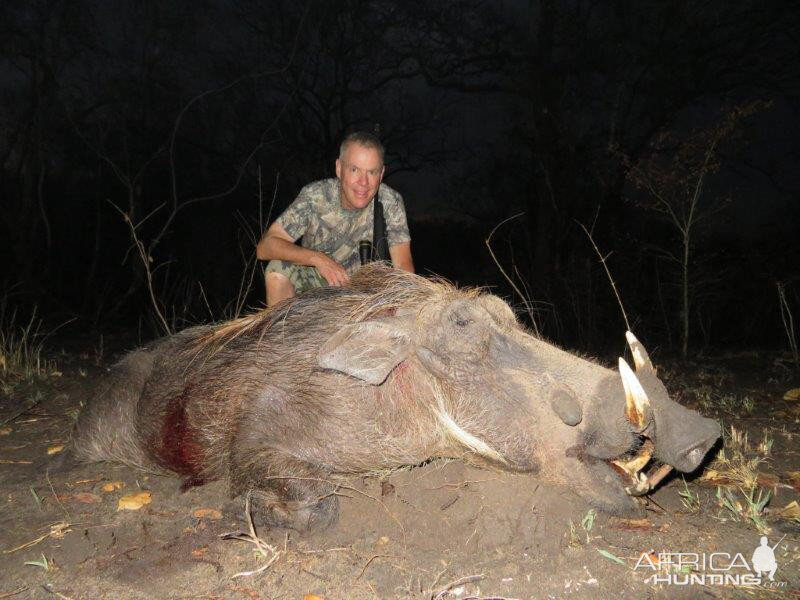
x: 367, y: 351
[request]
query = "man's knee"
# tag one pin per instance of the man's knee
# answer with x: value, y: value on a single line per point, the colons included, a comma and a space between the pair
x: 278, y: 288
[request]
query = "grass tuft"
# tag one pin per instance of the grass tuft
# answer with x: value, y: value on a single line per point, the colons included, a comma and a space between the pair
x: 21, y: 345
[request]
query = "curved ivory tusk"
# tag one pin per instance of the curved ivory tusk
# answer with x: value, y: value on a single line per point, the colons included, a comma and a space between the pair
x: 640, y: 357
x: 636, y: 402
x: 656, y: 477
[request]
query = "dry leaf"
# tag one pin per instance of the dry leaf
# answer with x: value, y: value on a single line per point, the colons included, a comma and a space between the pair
x: 207, y: 513
x: 200, y: 552
x: 793, y: 394
x: 713, y: 477
x: 790, y: 511
x: 86, y: 498
x: 5, y: 430
x: 134, y: 501
x: 767, y: 480
x: 794, y: 480
x: 652, y: 557
x: 113, y: 486
x: 55, y: 449
x: 632, y: 524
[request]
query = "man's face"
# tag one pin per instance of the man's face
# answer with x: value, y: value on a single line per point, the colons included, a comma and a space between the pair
x: 360, y: 172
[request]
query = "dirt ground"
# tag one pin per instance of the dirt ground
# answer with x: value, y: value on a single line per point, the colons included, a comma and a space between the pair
x: 438, y: 531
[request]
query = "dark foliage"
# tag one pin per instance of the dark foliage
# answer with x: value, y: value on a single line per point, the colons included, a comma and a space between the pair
x: 199, y: 121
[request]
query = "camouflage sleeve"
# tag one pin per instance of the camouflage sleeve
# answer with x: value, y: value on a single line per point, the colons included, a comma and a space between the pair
x: 395, y: 214
x: 296, y: 216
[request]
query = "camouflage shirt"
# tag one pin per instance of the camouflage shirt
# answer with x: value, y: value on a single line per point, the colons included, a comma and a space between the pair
x: 317, y: 215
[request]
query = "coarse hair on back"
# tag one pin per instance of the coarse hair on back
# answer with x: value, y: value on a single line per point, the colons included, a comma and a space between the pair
x: 362, y: 138
x: 376, y: 290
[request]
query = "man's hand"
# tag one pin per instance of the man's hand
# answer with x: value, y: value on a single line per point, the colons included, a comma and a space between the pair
x: 276, y: 244
x: 332, y: 271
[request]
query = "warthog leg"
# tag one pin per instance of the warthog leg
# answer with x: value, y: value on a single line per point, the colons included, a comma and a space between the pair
x: 285, y: 491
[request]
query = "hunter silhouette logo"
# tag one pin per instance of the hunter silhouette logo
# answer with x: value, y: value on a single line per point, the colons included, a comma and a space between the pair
x: 764, y: 558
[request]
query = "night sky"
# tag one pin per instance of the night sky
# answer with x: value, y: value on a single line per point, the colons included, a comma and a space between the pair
x: 668, y: 129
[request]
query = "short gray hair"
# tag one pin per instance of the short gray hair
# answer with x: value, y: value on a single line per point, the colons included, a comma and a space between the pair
x: 362, y: 138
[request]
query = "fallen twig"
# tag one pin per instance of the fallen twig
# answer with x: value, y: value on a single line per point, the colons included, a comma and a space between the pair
x: 22, y: 411
x: 56, y: 530
x: 443, y: 591
x: 49, y: 589
x: 370, y: 560
x: 262, y: 547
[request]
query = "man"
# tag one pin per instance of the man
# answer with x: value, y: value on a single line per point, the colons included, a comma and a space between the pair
x: 332, y: 216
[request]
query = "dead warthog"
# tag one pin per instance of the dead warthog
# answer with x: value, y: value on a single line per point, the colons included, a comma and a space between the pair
x: 392, y: 370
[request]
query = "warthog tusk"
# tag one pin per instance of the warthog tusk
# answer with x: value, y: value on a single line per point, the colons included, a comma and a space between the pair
x: 641, y: 484
x: 632, y: 468
x: 656, y: 477
x: 636, y: 402
x: 641, y: 359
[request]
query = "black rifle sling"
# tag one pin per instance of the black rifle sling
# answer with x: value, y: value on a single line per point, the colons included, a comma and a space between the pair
x: 380, y: 243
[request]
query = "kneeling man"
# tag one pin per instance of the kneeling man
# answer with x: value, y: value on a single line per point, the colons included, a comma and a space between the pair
x: 333, y: 216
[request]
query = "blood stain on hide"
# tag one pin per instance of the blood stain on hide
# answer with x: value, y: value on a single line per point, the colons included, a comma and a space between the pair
x: 178, y: 448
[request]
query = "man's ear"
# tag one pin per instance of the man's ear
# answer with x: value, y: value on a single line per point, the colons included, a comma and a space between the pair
x: 368, y: 350
x: 338, y: 168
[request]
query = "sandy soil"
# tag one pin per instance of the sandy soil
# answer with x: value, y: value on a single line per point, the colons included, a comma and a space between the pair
x: 442, y: 530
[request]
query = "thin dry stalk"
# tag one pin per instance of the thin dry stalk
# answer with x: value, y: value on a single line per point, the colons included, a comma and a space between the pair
x: 146, y: 260
x: 603, y: 260
x: 525, y: 299
x: 788, y: 321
